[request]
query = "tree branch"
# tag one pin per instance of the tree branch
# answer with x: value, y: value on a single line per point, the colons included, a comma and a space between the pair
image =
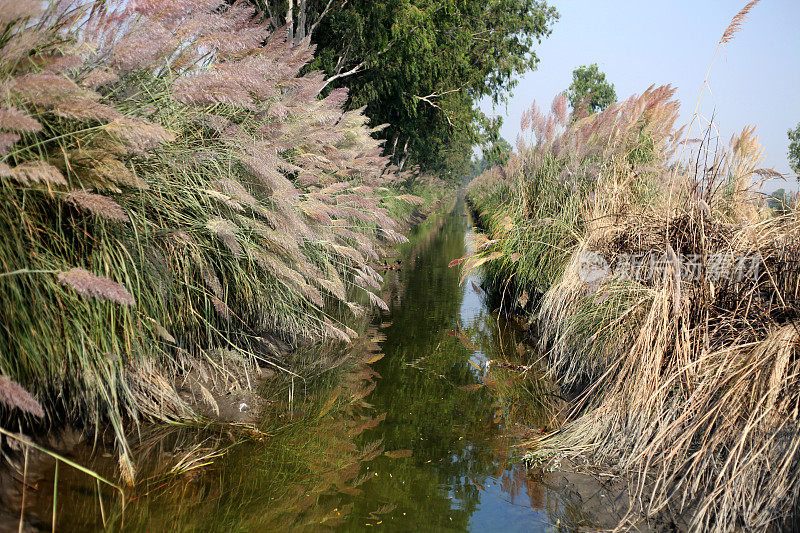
x: 355, y: 70
x: 429, y: 100
x: 322, y: 15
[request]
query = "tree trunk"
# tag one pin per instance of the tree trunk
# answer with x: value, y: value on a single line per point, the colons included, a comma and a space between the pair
x: 404, y: 158
x: 302, y: 16
x: 290, y: 19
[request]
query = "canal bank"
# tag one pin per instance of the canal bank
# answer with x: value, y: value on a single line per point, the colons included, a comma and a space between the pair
x: 411, y: 427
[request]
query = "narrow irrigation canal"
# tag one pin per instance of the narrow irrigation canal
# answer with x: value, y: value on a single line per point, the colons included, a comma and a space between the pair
x: 417, y: 436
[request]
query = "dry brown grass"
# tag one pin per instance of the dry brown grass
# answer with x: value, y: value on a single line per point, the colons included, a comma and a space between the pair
x: 689, y: 383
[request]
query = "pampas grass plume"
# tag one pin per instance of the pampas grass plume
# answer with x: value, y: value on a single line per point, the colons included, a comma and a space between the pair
x: 99, y: 205
x: 87, y: 284
x: 12, y: 394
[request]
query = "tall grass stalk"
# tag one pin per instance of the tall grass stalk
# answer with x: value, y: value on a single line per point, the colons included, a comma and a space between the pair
x: 178, y: 196
x: 689, y: 383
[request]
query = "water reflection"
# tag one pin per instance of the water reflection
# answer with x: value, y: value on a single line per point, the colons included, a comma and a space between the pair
x: 461, y: 474
x: 405, y: 430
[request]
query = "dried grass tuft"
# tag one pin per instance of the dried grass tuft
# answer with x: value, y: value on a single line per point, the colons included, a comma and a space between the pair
x: 689, y: 381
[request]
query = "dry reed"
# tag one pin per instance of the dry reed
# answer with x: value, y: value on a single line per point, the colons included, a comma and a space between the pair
x: 686, y: 369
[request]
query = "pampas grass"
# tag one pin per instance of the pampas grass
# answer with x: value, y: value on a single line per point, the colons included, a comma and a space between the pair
x: 172, y: 165
x: 37, y: 172
x: 12, y: 395
x: 12, y: 119
x: 87, y: 284
x: 99, y: 205
x: 689, y: 384
x: 737, y: 21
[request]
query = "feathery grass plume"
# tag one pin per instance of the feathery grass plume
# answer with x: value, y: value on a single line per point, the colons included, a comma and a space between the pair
x: 225, y: 199
x: 98, y: 78
x: 225, y: 231
x: 37, y: 172
x: 411, y: 199
x: 7, y: 141
x: 236, y: 191
x: 559, y: 109
x: 666, y: 303
x: 86, y: 110
x: 47, y: 89
x: 332, y: 331
x: 140, y: 135
x: 18, y: 10
x: 211, y: 280
x: 105, y: 172
x: 221, y: 308
x: 737, y: 22
x: 12, y: 119
x: 90, y: 285
x: 378, y: 302
x: 98, y: 204
x: 312, y: 294
x: 13, y: 395
x: 57, y: 62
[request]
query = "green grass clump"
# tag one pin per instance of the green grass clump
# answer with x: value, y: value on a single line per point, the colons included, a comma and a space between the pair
x: 172, y: 190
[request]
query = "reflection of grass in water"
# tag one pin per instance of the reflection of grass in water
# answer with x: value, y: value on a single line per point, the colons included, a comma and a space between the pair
x: 420, y: 240
x: 525, y: 396
x: 527, y: 403
x: 525, y: 393
x: 286, y: 471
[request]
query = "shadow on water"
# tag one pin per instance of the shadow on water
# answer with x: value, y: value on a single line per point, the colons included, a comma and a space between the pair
x: 418, y: 439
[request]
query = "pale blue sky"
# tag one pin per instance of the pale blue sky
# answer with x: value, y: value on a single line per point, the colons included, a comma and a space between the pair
x: 755, y: 79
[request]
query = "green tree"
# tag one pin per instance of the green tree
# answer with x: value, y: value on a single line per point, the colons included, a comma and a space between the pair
x: 422, y: 65
x: 794, y: 149
x: 780, y: 201
x: 497, y: 153
x: 590, y: 88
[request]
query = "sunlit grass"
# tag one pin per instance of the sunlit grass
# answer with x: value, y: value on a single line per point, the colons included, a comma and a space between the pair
x: 175, y: 197
x: 689, y: 384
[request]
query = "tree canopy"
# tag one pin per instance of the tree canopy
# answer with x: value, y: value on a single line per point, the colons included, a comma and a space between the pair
x: 794, y: 149
x: 422, y: 65
x: 590, y: 89
x: 495, y: 154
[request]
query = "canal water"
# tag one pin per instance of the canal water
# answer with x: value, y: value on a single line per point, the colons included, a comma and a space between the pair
x: 413, y: 430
